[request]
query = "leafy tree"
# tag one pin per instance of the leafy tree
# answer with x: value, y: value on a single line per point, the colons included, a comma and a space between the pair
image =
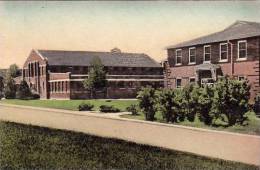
x: 147, y: 102
x: 13, y: 71
x: 1, y: 87
x: 23, y: 91
x: 205, y: 100
x: 231, y: 100
x: 10, y: 88
x: 166, y: 104
x: 96, y: 77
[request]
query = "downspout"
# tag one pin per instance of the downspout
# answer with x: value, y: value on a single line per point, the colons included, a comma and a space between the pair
x: 231, y: 57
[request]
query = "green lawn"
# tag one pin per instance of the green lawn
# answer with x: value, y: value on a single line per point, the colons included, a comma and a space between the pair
x: 70, y: 104
x: 252, y: 127
x: 32, y: 147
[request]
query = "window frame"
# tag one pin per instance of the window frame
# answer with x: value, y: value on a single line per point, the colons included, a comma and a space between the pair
x: 238, y: 56
x: 192, y: 48
x: 192, y: 78
x: 220, y: 52
x: 176, y: 51
x: 176, y: 84
x: 204, y: 54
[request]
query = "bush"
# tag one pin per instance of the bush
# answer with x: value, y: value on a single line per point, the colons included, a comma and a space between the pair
x: 108, y: 109
x: 147, y: 102
x: 23, y: 91
x: 10, y: 88
x: 231, y: 100
x: 133, y: 108
x: 166, y: 104
x: 85, y: 107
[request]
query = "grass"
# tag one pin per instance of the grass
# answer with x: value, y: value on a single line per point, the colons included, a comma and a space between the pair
x: 32, y: 147
x: 70, y: 104
x: 252, y: 127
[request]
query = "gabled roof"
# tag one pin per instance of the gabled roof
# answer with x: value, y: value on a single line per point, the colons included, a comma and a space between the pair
x: 84, y: 58
x: 238, y: 30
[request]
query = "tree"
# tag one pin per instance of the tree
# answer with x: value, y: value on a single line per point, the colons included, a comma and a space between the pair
x: 147, y: 102
x: 96, y: 77
x: 1, y: 87
x: 166, y: 104
x: 231, y: 99
x: 10, y: 88
x: 23, y: 91
x: 13, y: 71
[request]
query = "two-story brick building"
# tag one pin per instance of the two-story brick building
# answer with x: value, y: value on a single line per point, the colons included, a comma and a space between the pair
x: 59, y: 74
x: 234, y: 51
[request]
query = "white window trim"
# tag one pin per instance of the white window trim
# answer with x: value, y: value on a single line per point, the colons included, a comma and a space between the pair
x: 238, y: 58
x: 191, y: 48
x: 192, y: 78
x: 220, y: 59
x: 176, y: 83
x: 178, y: 64
x: 205, y: 53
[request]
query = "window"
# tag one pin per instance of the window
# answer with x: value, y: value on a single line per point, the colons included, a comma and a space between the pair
x: 242, y: 49
x: 223, y: 52
x: 207, y: 54
x: 178, y: 57
x: 241, y: 78
x: 192, y: 80
x: 192, y: 55
x: 178, y: 83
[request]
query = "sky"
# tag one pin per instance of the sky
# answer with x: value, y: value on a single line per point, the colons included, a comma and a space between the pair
x: 140, y: 27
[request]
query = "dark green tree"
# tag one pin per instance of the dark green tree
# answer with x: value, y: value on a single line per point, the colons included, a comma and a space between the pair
x: 13, y: 71
x: 166, y: 104
x: 10, y: 88
x: 231, y: 99
x: 23, y: 91
x: 96, y: 77
x: 147, y: 102
x: 1, y: 87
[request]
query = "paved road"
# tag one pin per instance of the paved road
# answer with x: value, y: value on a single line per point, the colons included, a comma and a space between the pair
x: 224, y: 145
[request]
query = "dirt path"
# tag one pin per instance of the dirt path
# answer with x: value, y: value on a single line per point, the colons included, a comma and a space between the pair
x: 224, y: 145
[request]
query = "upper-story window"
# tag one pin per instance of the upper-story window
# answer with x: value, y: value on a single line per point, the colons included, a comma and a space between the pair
x: 192, y: 55
x: 178, y: 57
x: 223, y: 52
x: 242, y: 49
x: 207, y: 54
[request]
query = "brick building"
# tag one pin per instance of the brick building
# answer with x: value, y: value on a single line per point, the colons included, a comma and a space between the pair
x: 59, y: 74
x: 234, y: 51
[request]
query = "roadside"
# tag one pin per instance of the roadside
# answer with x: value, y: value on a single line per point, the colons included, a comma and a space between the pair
x: 223, y: 145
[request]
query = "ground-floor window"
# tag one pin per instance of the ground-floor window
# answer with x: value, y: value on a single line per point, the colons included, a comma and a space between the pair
x: 192, y: 80
x: 241, y: 78
x: 178, y: 83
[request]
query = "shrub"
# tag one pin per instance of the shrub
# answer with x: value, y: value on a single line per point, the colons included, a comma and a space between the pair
x: 205, y: 100
x: 231, y: 99
x: 35, y: 96
x: 147, y: 102
x: 85, y: 107
x: 166, y: 104
x: 23, y: 91
x: 10, y: 88
x: 133, y: 108
x: 107, y: 109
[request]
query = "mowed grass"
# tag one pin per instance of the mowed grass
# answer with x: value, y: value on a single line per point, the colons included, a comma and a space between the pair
x: 32, y: 147
x: 252, y: 126
x: 70, y: 104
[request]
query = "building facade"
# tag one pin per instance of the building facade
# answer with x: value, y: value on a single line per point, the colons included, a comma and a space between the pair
x: 234, y: 51
x: 57, y: 74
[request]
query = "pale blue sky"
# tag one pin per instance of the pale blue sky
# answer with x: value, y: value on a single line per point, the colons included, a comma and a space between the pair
x: 146, y: 27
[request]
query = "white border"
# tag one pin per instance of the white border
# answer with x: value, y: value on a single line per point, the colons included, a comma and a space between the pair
x: 178, y: 64
x: 204, y: 54
x: 191, y: 48
x: 220, y: 59
x: 238, y: 58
